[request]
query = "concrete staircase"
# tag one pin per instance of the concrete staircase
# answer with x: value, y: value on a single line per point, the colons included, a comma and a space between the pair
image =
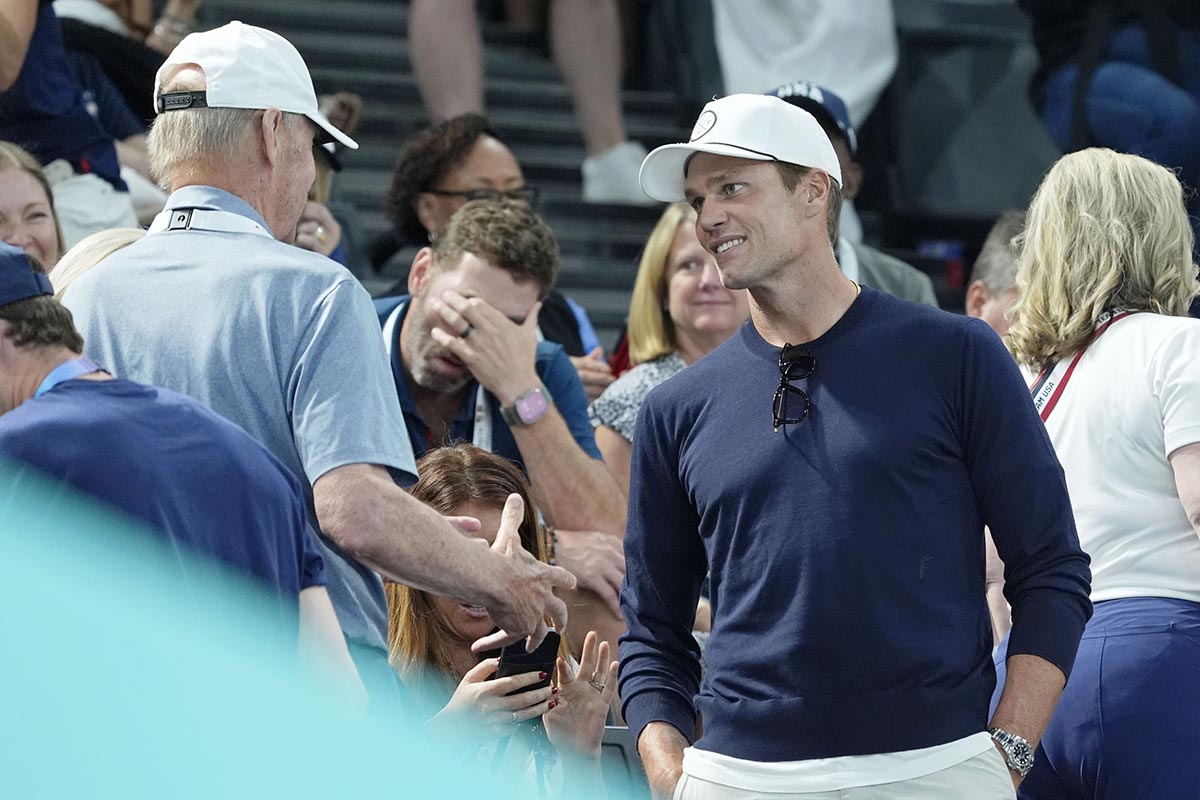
x: 361, y: 46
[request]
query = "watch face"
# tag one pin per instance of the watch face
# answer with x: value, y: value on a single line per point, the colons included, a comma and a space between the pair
x: 1022, y: 754
x: 531, y: 406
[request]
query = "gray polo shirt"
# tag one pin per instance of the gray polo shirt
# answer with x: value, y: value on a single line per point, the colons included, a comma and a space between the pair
x: 282, y: 341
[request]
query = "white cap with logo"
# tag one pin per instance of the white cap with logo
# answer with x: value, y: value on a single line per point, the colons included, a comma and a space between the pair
x: 754, y: 126
x: 245, y: 67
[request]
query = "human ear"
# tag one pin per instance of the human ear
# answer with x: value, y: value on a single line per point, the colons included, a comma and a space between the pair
x: 421, y: 271
x: 978, y: 296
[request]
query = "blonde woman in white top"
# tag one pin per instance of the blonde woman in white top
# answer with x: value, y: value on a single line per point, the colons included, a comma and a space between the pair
x: 1105, y: 278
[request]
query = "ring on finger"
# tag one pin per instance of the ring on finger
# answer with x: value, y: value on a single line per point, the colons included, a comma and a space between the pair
x: 467, y: 332
x: 513, y: 721
x: 320, y: 233
x: 599, y: 687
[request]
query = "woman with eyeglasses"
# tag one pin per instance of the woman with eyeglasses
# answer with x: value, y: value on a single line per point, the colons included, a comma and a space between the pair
x: 679, y: 312
x: 548, y: 736
x: 1105, y: 277
x: 448, y: 164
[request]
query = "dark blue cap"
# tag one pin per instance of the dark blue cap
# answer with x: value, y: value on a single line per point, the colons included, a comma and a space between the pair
x: 822, y: 104
x: 18, y: 278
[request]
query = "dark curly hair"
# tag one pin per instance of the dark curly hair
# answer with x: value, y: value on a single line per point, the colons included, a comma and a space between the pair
x: 422, y: 163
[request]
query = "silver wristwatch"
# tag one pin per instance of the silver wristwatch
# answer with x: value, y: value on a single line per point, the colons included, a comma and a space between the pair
x: 1018, y: 753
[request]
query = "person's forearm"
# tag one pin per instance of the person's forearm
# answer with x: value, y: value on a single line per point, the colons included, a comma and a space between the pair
x: 573, y: 490
x: 132, y: 153
x: 367, y: 514
x: 1031, y: 691
x: 18, y: 18
x: 661, y: 747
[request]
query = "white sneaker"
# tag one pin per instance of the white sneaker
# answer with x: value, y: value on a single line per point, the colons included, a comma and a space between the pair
x: 612, y: 176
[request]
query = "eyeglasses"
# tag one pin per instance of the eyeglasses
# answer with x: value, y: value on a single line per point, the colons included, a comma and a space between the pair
x: 791, y: 402
x: 525, y: 194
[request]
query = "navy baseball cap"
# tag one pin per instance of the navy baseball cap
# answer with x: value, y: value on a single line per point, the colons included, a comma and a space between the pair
x: 19, y: 279
x: 822, y: 104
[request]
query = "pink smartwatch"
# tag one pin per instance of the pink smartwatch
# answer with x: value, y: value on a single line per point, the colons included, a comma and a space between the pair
x: 528, y: 408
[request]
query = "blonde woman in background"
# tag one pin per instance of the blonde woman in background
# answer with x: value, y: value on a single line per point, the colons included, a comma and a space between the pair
x: 27, y: 216
x: 679, y: 312
x: 88, y: 253
x: 1105, y: 277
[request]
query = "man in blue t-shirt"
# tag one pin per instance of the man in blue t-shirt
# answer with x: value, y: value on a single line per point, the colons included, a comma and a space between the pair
x: 468, y: 366
x: 186, y: 474
x: 831, y: 468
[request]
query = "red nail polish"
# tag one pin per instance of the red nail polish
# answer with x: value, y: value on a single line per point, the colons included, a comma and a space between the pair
x: 541, y: 676
x: 553, y: 704
x: 554, y: 690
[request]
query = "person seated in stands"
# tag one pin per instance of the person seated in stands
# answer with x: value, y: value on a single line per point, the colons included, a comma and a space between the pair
x: 321, y: 228
x: 468, y: 366
x: 429, y: 643
x: 991, y: 290
x: 43, y: 108
x: 462, y: 159
x: 1121, y: 74
x: 27, y: 216
x: 679, y: 312
x: 162, y: 459
x: 859, y: 262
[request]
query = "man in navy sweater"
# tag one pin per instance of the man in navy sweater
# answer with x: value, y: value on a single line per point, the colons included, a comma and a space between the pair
x: 831, y: 468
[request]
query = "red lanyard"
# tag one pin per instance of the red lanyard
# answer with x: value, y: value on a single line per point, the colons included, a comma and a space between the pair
x: 1048, y: 386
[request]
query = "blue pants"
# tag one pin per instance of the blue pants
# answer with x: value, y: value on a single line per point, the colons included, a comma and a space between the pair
x: 1133, y: 109
x: 1128, y: 724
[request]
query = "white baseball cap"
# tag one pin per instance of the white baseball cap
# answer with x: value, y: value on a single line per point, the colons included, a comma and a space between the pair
x: 754, y: 126
x: 245, y: 67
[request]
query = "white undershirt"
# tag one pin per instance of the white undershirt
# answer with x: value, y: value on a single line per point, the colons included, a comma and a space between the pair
x: 831, y: 774
x: 847, y: 259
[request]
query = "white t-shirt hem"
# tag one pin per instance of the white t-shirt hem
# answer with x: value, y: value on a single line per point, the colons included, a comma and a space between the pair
x: 831, y: 774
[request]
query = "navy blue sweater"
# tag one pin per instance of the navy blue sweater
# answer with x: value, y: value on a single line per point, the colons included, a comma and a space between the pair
x: 846, y: 551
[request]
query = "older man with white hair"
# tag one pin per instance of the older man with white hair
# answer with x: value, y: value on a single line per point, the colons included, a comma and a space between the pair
x: 215, y: 303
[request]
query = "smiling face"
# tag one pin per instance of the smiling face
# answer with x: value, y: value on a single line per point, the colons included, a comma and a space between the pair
x: 432, y: 366
x: 700, y: 307
x: 747, y: 217
x: 26, y: 219
x: 466, y: 622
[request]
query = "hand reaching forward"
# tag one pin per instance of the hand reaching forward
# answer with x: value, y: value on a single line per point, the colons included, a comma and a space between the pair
x: 577, y: 719
x: 480, y: 706
x: 525, y: 594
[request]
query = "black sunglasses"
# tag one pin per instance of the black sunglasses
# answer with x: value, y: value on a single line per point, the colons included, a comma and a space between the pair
x: 525, y: 194
x: 791, y: 403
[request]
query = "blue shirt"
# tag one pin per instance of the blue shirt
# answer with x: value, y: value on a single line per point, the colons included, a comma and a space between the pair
x: 173, y: 465
x: 846, y: 551
x: 553, y: 367
x: 45, y: 112
x: 269, y: 336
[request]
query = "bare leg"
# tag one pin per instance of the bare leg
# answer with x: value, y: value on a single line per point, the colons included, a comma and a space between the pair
x: 447, y: 56
x: 585, y: 40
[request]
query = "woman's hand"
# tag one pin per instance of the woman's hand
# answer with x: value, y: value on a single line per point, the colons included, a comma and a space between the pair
x: 480, y: 706
x: 577, y: 721
x: 318, y: 230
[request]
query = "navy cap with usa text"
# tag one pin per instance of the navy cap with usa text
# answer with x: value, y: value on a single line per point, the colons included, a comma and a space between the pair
x: 19, y: 278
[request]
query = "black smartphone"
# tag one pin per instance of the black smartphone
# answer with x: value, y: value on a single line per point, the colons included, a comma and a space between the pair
x: 514, y: 660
